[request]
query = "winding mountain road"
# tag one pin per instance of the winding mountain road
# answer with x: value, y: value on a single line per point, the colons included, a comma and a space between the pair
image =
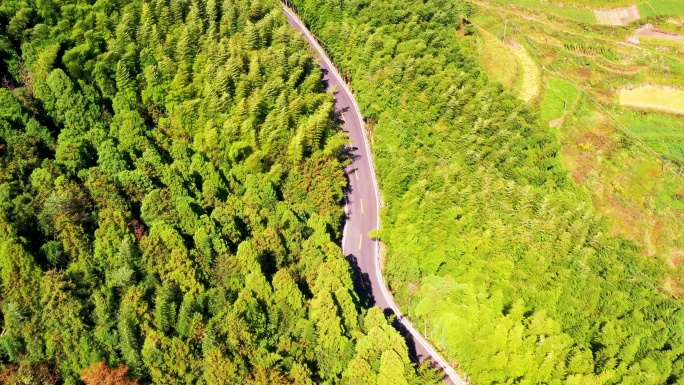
x: 363, y: 212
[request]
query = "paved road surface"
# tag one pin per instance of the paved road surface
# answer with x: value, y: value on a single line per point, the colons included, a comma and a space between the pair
x: 362, y: 213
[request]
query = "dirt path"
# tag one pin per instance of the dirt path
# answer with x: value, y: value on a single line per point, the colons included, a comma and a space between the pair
x: 658, y: 34
x: 531, y: 76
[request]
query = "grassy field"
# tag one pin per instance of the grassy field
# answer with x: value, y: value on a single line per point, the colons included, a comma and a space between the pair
x: 663, y: 41
x: 558, y: 93
x: 668, y: 100
x: 531, y: 76
x: 661, y: 7
x: 646, y: 10
x: 510, y: 65
x: 662, y: 133
x: 581, y: 15
x: 498, y: 61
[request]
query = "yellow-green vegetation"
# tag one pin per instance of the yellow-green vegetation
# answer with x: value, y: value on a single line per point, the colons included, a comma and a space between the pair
x: 662, y: 62
x: 664, y: 134
x: 510, y: 65
x: 597, y: 4
x: 560, y: 94
x: 672, y: 43
x: 530, y: 74
x: 631, y: 185
x: 498, y: 61
x: 667, y: 100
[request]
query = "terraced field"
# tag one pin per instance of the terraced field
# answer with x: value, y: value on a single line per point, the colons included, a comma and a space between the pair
x: 618, y: 12
x: 531, y: 77
x: 581, y: 15
x: 624, y: 148
x: 667, y: 100
x: 617, y: 16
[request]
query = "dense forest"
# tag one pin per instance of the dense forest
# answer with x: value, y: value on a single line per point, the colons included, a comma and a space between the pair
x: 171, y: 177
x: 491, y: 249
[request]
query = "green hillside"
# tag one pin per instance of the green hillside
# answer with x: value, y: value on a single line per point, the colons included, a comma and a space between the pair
x: 494, y: 252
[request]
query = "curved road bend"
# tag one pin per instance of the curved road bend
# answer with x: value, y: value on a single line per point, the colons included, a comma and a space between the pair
x: 363, y: 212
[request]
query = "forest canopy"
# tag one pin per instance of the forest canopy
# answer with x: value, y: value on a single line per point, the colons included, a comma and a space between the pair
x: 491, y: 249
x: 171, y: 177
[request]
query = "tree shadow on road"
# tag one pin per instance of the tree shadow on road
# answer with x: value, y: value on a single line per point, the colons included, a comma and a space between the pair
x: 411, y: 343
x: 364, y: 289
x: 350, y: 153
x: 362, y: 283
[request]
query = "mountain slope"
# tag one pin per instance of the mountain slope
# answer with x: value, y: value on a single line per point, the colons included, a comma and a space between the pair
x: 491, y: 249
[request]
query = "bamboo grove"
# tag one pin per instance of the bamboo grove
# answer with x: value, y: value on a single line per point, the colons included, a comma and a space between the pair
x: 170, y: 199
x: 494, y: 253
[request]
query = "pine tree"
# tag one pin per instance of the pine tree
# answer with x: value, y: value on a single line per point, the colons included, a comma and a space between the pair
x: 128, y: 340
x: 123, y: 76
x: 165, y: 308
x: 186, y: 313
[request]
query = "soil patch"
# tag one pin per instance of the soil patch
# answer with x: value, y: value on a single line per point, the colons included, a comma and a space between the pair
x: 617, y: 16
x: 673, y: 287
x: 611, y: 67
x: 655, y: 33
x: 584, y: 72
x: 676, y: 259
x: 595, y: 140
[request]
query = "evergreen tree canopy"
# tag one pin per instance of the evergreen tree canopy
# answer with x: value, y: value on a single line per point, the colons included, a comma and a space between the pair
x: 171, y: 181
